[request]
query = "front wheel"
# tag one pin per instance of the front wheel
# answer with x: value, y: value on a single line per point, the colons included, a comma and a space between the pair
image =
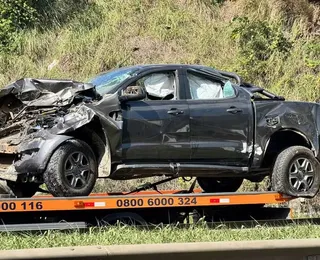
x: 296, y: 172
x: 72, y: 170
x: 209, y: 184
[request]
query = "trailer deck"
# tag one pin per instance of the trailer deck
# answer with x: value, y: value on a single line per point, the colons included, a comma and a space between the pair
x: 139, y: 208
x: 142, y: 199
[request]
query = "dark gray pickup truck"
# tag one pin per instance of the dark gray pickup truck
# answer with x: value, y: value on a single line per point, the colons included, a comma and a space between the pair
x: 155, y: 120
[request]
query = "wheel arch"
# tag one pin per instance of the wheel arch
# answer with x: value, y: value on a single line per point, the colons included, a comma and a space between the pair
x: 283, y: 139
x: 94, y: 135
x: 36, y: 154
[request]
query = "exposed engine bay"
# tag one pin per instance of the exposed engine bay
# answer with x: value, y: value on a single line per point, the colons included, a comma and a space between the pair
x: 31, y: 108
x: 19, y: 120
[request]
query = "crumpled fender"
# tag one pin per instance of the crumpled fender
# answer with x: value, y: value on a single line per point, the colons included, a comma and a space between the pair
x: 35, y: 153
x: 37, y: 149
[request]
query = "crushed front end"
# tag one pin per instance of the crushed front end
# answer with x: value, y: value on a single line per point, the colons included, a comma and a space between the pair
x: 35, y: 115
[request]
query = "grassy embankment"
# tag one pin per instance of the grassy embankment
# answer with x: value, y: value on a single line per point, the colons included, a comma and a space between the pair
x: 273, y: 43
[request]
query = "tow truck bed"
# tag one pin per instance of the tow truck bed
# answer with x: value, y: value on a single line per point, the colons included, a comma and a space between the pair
x: 142, y: 199
x: 141, y: 208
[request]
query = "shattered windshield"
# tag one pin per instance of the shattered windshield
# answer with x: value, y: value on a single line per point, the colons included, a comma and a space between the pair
x: 109, y: 81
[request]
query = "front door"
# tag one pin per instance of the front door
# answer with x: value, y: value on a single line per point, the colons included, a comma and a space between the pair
x: 156, y: 129
x: 220, y: 121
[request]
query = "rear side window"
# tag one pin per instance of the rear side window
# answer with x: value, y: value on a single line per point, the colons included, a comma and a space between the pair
x: 204, y: 88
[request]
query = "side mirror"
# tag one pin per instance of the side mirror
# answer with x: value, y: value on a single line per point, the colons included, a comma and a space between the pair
x: 132, y: 93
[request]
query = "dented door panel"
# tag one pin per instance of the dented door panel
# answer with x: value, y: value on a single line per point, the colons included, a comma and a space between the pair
x: 152, y: 132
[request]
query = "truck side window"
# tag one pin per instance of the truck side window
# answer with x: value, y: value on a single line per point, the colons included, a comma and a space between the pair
x: 159, y: 85
x: 204, y: 88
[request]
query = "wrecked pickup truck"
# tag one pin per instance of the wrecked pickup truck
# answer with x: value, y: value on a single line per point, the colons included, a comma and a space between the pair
x: 155, y: 120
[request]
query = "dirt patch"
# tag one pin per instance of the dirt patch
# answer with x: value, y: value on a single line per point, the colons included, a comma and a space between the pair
x: 150, y: 50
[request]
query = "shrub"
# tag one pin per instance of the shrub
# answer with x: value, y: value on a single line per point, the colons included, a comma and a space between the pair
x: 258, y: 41
x: 15, y: 15
x: 312, y: 55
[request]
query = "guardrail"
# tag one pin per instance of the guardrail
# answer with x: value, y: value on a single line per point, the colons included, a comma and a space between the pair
x: 308, y: 249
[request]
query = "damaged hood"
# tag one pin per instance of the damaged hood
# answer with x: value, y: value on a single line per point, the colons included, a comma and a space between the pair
x: 30, y: 107
x: 48, y: 92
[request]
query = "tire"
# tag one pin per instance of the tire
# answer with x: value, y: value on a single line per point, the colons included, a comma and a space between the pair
x: 209, y: 184
x: 101, y: 149
x: 296, y: 172
x: 72, y: 170
x: 23, y: 190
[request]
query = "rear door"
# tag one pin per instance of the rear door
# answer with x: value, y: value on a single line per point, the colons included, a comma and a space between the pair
x: 220, y: 120
x: 157, y: 128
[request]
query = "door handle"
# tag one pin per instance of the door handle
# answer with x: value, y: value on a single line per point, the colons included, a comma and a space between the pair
x: 234, y: 110
x: 174, y: 111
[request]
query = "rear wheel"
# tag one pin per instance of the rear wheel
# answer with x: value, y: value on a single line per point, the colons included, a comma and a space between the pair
x: 209, y: 184
x: 296, y: 172
x: 72, y: 170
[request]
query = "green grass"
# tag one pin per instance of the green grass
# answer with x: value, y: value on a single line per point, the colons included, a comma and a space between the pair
x: 130, y: 235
